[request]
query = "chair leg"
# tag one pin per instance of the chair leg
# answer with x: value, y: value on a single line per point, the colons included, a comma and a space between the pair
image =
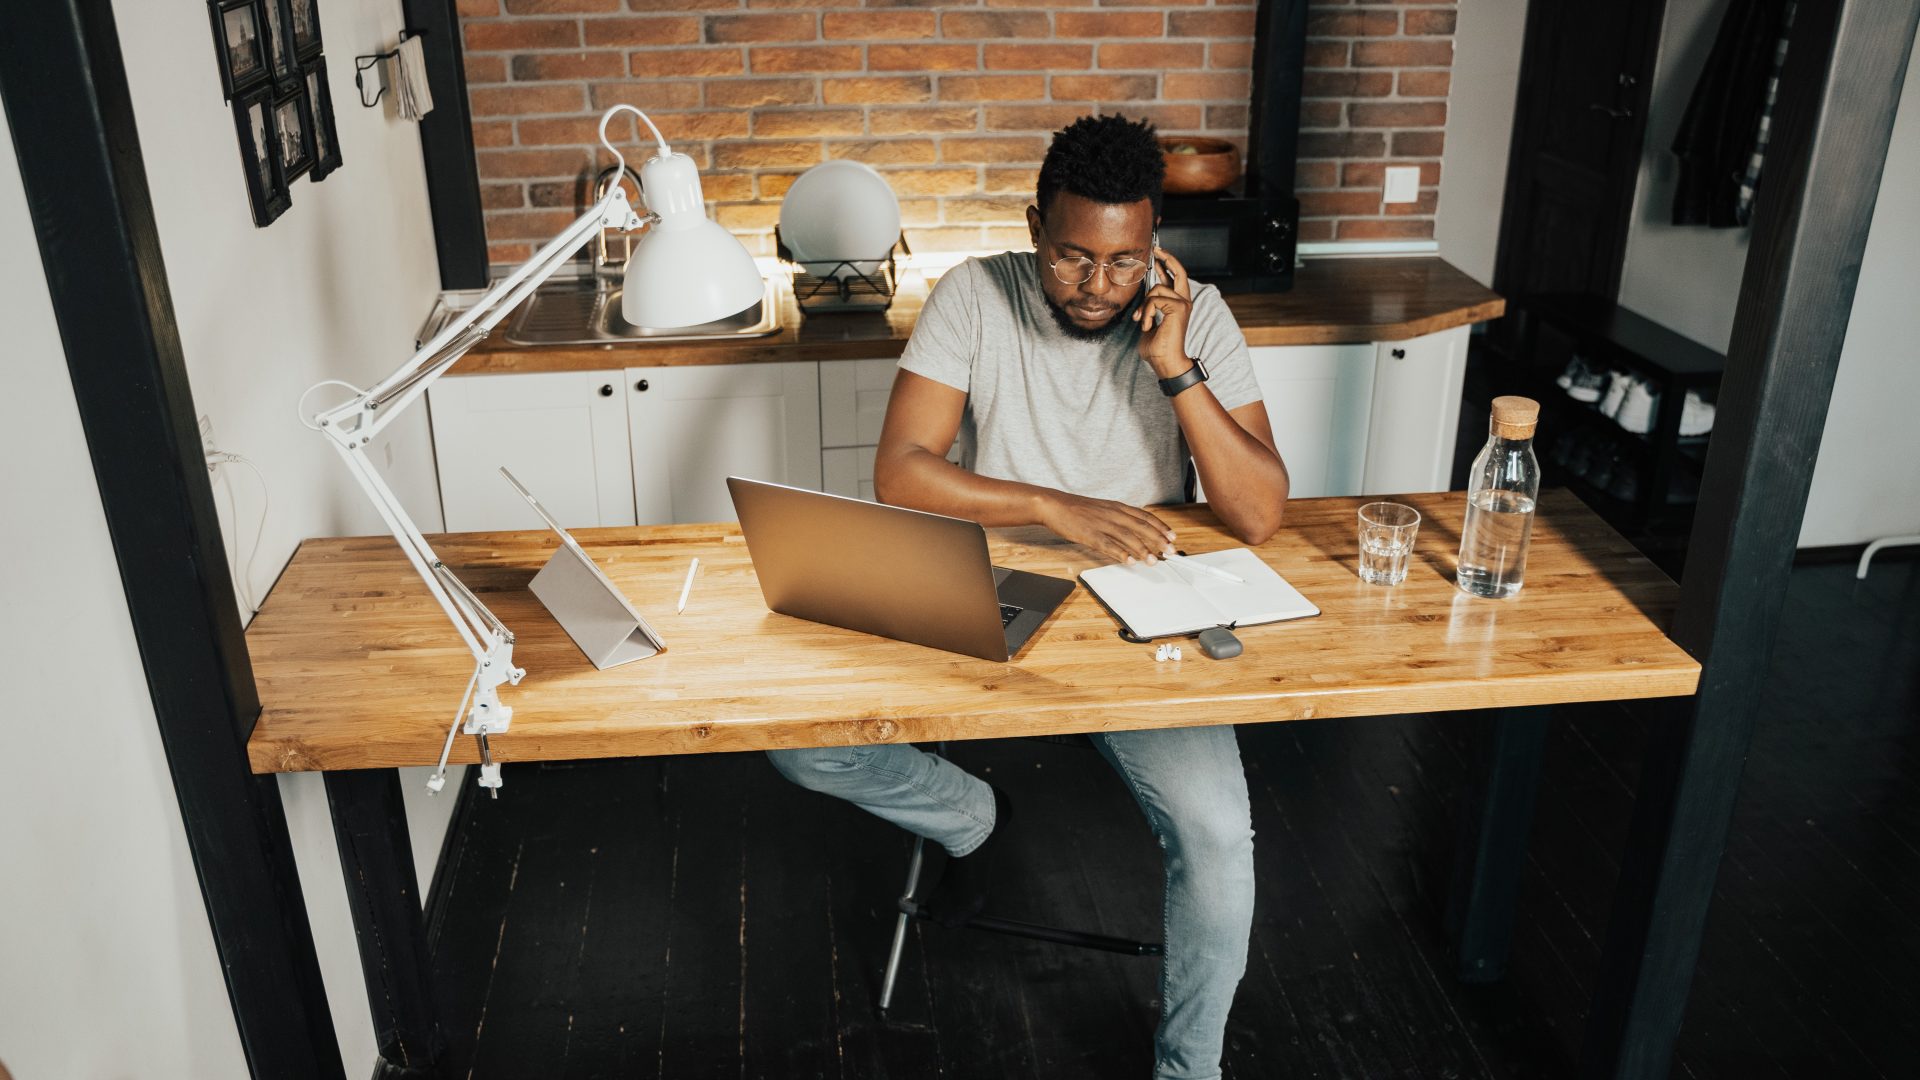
x: 900, y: 927
x: 910, y: 909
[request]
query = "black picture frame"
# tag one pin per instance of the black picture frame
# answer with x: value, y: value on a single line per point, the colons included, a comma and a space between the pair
x: 293, y: 130
x: 239, y: 43
x: 303, y: 27
x: 259, y: 161
x: 326, y: 137
x: 282, y: 61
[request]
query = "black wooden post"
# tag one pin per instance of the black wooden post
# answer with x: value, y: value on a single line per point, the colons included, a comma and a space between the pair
x: 376, y: 859
x: 71, y: 115
x: 1845, y: 67
x: 446, y: 144
x: 1492, y: 845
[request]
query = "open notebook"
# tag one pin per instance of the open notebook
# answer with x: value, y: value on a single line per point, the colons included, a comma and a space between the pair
x: 1166, y: 599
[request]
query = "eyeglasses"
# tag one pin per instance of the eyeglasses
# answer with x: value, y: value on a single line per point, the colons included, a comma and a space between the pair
x: 1078, y: 269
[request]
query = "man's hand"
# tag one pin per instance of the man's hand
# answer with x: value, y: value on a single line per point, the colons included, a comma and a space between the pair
x: 1120, y: 532
x: 1163, y: 334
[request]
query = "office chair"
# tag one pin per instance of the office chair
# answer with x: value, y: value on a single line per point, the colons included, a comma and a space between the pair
x: 911, y: 908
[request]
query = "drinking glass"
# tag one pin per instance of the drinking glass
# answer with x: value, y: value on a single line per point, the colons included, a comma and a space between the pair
x: 1386, y: 541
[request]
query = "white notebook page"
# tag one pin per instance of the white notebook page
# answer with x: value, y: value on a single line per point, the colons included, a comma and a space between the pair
x: 1165, y: 599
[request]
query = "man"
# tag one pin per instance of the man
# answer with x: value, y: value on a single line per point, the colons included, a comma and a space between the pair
x: 1079, y: 394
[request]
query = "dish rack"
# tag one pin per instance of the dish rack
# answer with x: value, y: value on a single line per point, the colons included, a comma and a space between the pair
x: 844, y: 286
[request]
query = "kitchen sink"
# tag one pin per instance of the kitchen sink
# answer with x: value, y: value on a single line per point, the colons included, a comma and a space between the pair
x: 575, y: 312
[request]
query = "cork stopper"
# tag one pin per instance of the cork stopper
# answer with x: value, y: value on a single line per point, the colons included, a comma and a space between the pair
x: 1515, y: 417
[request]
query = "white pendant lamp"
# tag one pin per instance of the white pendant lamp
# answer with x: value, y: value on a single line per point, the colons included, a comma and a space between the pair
x: 685, y: 269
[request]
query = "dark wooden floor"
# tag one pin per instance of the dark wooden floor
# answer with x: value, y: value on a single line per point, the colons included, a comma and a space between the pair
x: 699, y: 917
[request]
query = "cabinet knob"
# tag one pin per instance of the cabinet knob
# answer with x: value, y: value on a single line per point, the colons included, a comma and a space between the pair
x: 641, y: 386
x: 606, y: 390
x: 1399, y: 354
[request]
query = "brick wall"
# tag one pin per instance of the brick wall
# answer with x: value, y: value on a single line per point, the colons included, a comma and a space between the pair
x: 952, y: 100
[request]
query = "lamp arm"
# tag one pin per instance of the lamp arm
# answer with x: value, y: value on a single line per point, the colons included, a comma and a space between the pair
x: 365, y: 415
x: 397, y: 390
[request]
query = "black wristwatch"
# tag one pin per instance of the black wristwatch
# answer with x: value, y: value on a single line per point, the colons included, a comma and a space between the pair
x: 1193, y: 376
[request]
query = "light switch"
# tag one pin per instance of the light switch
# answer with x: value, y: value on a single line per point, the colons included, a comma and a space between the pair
x: 1403, y: 184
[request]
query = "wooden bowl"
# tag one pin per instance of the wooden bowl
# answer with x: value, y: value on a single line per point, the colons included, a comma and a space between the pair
x: 1197, y: 165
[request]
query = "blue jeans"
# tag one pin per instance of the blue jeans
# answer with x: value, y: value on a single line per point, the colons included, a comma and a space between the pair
x: 1191, y: 786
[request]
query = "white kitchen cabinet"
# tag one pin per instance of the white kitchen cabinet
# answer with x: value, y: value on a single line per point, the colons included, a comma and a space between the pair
x: 692, y: 427
x: 853, y: 407
x: 1415, y: 413
x: 853, y: 401
x: 1318, y: 400
x: 598, y: 449
x: 848, y: 470
x: 563, y: 434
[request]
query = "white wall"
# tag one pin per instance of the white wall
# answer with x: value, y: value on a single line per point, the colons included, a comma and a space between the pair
x: 334, y: 289
x: 1473, y: 168
x: 1684, y: 277
x: 107, y: 965
x: 1866, y: 482
x: 1688, y: 279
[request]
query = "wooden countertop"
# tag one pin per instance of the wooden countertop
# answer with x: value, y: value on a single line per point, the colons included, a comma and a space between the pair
x: 358, y: 668
x: 1333, y: 301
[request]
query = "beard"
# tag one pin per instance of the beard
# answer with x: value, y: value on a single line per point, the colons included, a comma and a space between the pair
x: 1115, y: 325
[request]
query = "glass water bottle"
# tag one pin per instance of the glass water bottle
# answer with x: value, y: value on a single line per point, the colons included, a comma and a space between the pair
x: 1500, y: 497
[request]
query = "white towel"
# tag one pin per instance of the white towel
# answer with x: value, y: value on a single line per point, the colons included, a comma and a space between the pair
x: 410, y: 80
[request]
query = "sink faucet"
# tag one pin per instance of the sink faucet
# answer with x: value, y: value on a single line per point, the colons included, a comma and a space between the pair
x: 605, y: 269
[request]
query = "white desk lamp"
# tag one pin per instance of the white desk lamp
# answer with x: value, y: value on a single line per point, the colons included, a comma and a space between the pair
x: 684, y: 270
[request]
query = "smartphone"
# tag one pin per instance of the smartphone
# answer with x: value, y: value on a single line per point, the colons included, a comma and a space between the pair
x: 1153, y: 272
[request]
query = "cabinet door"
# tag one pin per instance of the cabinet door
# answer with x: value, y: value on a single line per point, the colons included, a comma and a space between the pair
x: 562, y: 434
x: 848, y: 470
x: 853, y: 400
x: 1416, y: 413
x: 1318, y: 398
x: 692, y: 427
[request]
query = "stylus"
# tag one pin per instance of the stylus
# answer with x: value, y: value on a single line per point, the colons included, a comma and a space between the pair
x: 688, y: 587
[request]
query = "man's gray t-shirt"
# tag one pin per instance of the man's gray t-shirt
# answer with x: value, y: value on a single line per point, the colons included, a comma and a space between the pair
x: 1047, y: 408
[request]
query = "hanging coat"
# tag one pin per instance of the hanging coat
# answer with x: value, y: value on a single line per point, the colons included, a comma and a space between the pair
x: 1722, y: 137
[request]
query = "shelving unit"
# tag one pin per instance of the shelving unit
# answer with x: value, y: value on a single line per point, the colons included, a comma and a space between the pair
x: 1666, y: 467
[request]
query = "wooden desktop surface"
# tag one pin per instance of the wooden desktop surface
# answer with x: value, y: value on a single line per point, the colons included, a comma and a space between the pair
x: 358, y: 668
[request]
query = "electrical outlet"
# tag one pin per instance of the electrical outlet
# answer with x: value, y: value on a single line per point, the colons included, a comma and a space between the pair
x: 1403, y: 184
x: 207, y: 446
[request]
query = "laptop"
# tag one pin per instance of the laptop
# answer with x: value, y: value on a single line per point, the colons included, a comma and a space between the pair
x: 886, y: 570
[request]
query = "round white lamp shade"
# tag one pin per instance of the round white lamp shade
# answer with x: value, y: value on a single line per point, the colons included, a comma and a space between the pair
x: 687, y: 273
x: 839, y: 210
x: 685, y: 269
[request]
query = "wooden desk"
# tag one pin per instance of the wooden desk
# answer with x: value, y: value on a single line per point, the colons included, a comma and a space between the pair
x: 357, y: 667
x: 358, y: 672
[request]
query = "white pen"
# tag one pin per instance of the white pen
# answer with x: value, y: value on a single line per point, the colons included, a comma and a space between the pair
x: 688, y: 587
x: 1195, y: 564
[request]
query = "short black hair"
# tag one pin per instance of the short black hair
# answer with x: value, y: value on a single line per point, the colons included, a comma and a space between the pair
x: 1109, y: 159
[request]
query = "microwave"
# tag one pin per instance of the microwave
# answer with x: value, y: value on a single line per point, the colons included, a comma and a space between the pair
x: 1234, y: 242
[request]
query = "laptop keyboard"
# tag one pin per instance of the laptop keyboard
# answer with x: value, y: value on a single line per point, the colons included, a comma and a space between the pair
x: 1008, y: 613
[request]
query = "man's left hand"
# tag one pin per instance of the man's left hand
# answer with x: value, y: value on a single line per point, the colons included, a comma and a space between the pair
x: 1163, y: 334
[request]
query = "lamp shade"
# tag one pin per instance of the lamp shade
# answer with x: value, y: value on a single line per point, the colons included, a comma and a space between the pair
x: 685, y: 270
